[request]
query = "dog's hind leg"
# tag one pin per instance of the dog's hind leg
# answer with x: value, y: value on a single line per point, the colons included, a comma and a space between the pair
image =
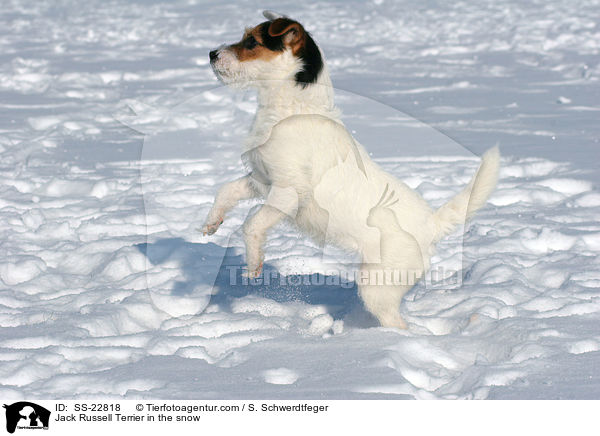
x: 380, y: 296
x: 228, y: 196
x: 255, y: 233
x: 381, y: 285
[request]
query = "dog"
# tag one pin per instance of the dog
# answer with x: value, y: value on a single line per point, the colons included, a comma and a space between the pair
x: 311, y: 172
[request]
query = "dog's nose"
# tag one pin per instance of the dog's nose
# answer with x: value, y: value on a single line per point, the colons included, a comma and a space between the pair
x: 213, y: 55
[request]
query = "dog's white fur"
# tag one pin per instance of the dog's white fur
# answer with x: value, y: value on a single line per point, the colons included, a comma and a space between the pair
x: 311, y: 172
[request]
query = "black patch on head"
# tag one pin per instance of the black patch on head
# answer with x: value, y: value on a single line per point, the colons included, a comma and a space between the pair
x: 309, y: 54
x: 273, y: 43
x: 312, y: 62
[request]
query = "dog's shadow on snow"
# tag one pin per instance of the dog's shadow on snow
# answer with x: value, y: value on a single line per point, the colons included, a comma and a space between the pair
x: 209, y: 264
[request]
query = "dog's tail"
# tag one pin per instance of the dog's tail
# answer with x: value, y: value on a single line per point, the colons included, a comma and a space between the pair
x: 463, y: 206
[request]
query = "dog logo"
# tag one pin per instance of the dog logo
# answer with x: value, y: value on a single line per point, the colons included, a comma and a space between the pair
x: 26, y: 415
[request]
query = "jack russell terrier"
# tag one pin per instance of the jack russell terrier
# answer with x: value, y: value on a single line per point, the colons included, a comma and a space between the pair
x: 310, y: 171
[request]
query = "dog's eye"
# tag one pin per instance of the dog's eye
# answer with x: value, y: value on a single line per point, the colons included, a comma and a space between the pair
x: 250, y: 43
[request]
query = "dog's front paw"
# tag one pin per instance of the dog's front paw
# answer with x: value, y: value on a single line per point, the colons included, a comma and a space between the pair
x: 252, y: 273
x: 211, y: 227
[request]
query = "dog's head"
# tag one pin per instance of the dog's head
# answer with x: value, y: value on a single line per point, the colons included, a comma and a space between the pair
x: 278, y: 49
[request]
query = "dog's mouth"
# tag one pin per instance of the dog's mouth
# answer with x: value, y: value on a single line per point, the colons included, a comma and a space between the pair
x: 216, y: 70
x: 222, y: 75
x: 218, y: 65
x: 228, y: 70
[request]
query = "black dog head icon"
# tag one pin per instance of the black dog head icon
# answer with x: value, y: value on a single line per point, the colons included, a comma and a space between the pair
x: 33, y: 413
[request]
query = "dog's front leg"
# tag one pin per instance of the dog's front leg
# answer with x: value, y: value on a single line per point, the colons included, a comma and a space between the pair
x: 255, y: 233
x: 227, y: 197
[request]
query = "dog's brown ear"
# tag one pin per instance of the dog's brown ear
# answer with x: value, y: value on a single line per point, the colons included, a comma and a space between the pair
x: 292, y: 30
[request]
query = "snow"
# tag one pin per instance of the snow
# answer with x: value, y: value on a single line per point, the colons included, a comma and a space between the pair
x: 115, y: 135
x: 280, y: 376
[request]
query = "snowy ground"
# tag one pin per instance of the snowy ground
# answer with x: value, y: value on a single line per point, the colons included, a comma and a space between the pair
x: 114, y: 135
